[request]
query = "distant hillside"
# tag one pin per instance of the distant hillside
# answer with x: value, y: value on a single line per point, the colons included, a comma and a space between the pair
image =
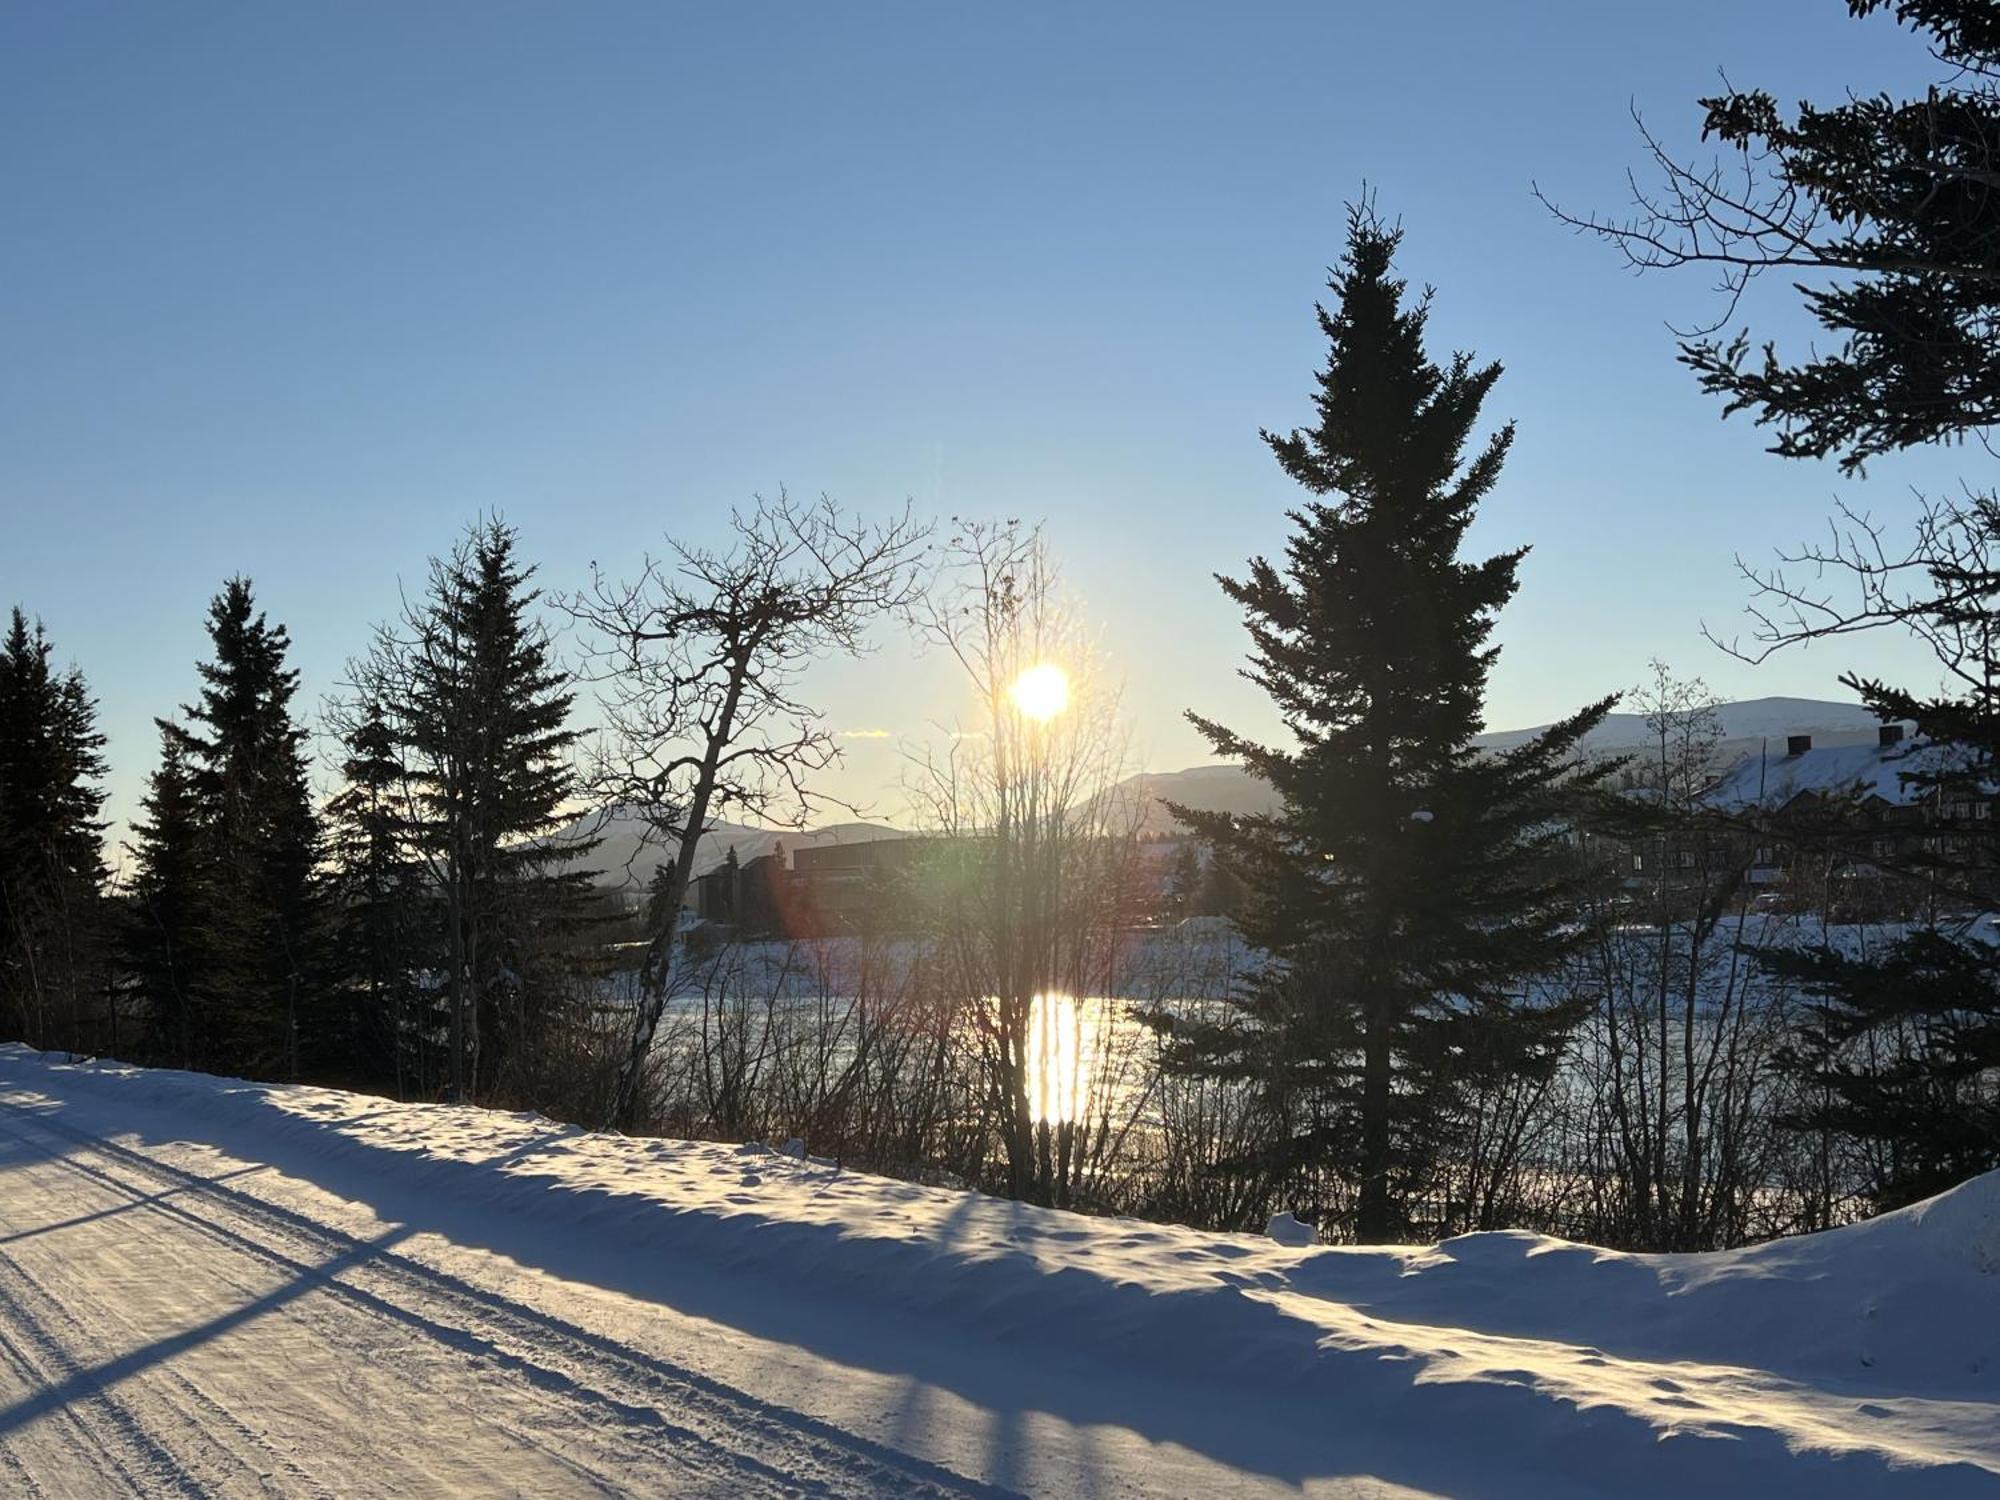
x: 627, y: 861
x: 1745, y: 726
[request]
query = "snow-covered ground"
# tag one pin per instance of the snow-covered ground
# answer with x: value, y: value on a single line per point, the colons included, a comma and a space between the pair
x: 209, y: 1287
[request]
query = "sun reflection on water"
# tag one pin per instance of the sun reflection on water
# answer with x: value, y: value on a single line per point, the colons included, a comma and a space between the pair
x: 1058, y: 1062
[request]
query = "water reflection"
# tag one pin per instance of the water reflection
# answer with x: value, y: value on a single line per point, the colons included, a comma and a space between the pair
x: 1059, y: 1064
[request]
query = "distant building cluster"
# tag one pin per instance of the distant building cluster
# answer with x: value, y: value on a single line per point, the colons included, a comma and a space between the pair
x: 876, y: 886
x: 1874, y: 819
x: 820, y: 890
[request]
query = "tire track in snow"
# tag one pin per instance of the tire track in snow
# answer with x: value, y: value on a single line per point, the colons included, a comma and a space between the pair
x: 113, y: 1439
x: 330, y: 1332
x: 474, y: 1413
x: 629, y: 1392
x: 194, y: 1408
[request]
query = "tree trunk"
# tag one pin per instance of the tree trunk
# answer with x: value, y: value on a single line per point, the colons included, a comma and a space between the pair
x: 455, y: 920
x: 659, y: 958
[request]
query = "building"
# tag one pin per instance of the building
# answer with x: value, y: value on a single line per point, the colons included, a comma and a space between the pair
x: 818, y: 890
x: 860, y: 887
x: 1866, y: 826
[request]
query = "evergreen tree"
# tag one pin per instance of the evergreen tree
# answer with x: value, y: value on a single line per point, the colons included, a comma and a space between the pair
x: 1902, y: 1054
x: 480, y: 709
x: 241, y: 988
x: 379, y: 923
x: 1889, y: 202
x: 1411, y: 888
x: 168, y: 941
x: 661, y: 897
x: 732, y: 886
x: 51, y: 866
x: 1221, y: 892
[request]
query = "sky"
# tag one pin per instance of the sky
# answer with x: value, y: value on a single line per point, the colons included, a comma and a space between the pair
x: 298, y: 292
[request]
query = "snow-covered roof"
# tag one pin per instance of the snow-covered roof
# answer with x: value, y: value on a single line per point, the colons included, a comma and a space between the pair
x: 1773, y: 778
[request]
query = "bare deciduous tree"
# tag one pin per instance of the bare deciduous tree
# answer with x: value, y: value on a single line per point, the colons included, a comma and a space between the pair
x: 699, y: 661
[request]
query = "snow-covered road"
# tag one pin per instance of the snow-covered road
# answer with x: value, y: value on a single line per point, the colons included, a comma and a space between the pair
x: 209, y: 1287
x: 170, y: 1332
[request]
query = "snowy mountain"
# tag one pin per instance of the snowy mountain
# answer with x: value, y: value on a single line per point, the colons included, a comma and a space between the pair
x: 212, y: 1287
x: 1746, y: 727
x: 627, y: 860
x: 1752, y: 719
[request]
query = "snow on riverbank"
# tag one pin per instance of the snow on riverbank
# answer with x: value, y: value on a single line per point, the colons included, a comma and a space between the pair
x: 1865, y: 1361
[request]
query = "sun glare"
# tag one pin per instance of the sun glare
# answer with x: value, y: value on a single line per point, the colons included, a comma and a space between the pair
x: 1041, y: 692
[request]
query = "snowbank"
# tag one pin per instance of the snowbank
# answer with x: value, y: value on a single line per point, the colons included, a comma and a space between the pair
x: 1864, y: 1361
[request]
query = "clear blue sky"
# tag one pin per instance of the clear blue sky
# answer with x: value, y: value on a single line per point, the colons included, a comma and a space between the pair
x: 295, y: 291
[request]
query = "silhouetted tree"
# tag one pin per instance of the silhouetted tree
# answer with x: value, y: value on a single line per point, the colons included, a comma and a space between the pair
x: 51, y: 867
x: 699, y: 663
x: 1893, y: 200
x: 168, y: 941
x: 1222, y: 892
x: 1412, y: 888
x: 248, y: 771
x: 1902, y: 1054
x: 659, y: 893
x: 225, y: 907
x: 1035, y: 869
x: 479, y: 711
x: 382, y: 911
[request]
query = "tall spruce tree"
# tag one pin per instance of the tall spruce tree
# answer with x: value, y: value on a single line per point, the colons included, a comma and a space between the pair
x: 1411, y: 888
x: 233, y: 786
x: 51, y: 865
x: 480, y: 708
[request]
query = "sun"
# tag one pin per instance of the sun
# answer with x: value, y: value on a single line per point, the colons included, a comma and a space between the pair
x: 1041, y: 692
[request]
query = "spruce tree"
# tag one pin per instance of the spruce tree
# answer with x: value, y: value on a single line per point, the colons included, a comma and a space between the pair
x: 1411, y: 889
x: 1884, y: 206
x: 381, y: 907
x: 248, y: 775
x: 1901, y: 1053
x: 480, y: 710
x: 1879, y: 212
x: 168, y: 942
x: 661, y: 897
x: 51, y: 865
